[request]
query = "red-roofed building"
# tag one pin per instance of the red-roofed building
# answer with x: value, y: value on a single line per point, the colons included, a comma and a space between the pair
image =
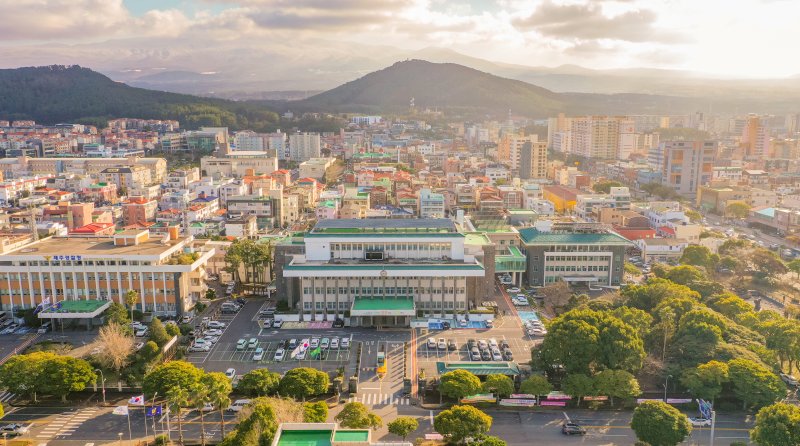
x: 635, y: 233
x: 94, y: 230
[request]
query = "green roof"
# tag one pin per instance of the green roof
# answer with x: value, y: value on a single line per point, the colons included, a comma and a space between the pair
x: 359, y: 233
x: 305, y: 438
x: 78, y: 306
x: 354, y: 435
x: 382, y: 266
x: 404, y: 303
x: 513, y: 251
x: 532, y: 236
x: 479, y: 368
x: 477, y: 238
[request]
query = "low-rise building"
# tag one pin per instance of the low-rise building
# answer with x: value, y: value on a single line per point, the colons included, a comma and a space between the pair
x: 661, y: 249
x: 245, y: 227
x: 316, y: 167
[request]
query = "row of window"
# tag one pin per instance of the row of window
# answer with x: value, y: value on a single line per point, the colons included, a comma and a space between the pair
x: 575, y: 268
x: 103, y: 293
x: 577, y: 248
x: 83, y: 263
x: 576, y: 258
x: 378, y: 291
x: 80, y: 277
x: 344, y: 305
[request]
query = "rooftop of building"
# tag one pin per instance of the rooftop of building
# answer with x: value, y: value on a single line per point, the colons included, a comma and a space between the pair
x: 531, y: 236
x: 93, y: 247
x: 385, y: 225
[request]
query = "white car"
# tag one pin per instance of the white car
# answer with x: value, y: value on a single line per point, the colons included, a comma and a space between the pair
x: 314, y: 343
x: 496, y: 355
x: 279, y: 354
x: 442, y: 344
x: 700, y: 422
x: 345, y: 342
x: 334, y: 343
x: 216, y: 324
x: 238, y: 405
x: 277, y: 323
x: 513, y: 290
x: 431, y: 342
x: 301, y: 354
x: 462, y: 322
x: 230, y: 373
x: 207, y: 407
x: 213, y: 332
x: 482, y: 344
x: 259, y: 354
x: 493, y: 343
x: 199, y: 348
x: 141, y: 332
x: 210, y: 339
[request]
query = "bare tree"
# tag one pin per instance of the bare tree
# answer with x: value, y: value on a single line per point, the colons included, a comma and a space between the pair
x: 556, y: 294
x: 115, y: 347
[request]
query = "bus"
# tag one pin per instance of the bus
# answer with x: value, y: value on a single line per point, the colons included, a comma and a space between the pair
x: 382, y: 365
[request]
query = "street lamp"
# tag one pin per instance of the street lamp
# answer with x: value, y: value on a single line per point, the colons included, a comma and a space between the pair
x: 103, y: 383
x: 120, y: 438
x: 666, y: 385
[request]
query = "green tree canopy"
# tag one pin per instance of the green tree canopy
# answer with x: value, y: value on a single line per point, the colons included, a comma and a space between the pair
x: 604, y: 187
x: 158, y: 333
x: 459, y: 383
x: 640, y: 320
x: 616, y: 384
x: 578, y: 385
x: 488, y: 440
x: 403, y: 426
x: 536, y: 385
x: 257, y: 429
x: 698, y: 255
x: 259, y: 382
x: 169, y: 375
x: 117, y: 314
x: 754, y: 384
x: 706, y: 380
x: 685, y: 274
x: 500, y: 385
x: 316, y: 412
x: 660, y: 424
x: 46, y: 373
x: 648, y: 296
x: 460, y: 422
x: 737, y: 209
x: 777, y: 425
x: 304, y: 382
x: 219, y: 391
x: 355, y: 415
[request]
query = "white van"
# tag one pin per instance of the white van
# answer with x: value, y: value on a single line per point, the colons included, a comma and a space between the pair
x: 238, y: 405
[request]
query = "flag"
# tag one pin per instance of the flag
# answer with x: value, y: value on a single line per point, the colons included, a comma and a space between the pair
x: 120, y: 410
x: 153, y: 411
x: 136, y: 400
x: 316, y: 352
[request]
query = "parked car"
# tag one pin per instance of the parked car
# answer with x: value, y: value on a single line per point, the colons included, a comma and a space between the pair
x: 253, y: 343
x: 496, y: 355
x: 199, y: 347
x: 277, y: 323
x: 186, y: 319
x: 482, y: 344
x: 13, y: 429
x: 508, y: 355
x: 700, y: 422
x: 301, y: 354
x: 314, y: 343
x: 216, y: 324
x: 493, y: 343
x: 489, y: 323
x: 292, y: 343
x: 305, y: 343
x: 279, y: 354
x: 474, y: 354
x: 230, y: 373
x: 570, y: 428
x: 241, y: 344
x: 504, y: 344
x: 209, y: 339
x: 486, y: 355
x: 267, y: 323
x: 334, y: 343
x: 241, y: 301
x: 451, y: 345
x: 325, y: 343
x: 471, y: 343
x: 513, y: 290
x: 462, y: 323
x: 141, y: 332
x: 338, y: 323
x: 789, y: 379
x: 345, y: 342
x: 442, y: 344
x: 259, y: 354
x: 207, y: 407
x: 213, y: 332
x: 238, y: 405
x: 431, y: 343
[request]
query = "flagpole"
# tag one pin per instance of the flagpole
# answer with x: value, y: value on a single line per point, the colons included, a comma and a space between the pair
x: 130, y: 434
x: 144, y: 416
x: 154, y: 416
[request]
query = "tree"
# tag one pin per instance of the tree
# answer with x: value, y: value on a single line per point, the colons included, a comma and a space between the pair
x: 199, y: 397
x: 501, y: 385
x: 766, y: 263
x: 488, y: 440
x: 355, y: 415
x: 685, y: 275
x: 604, y: 187
x: 694, y: 216
x: 177, y: 399
x: 461, y: 422
x: 737, y: 209
x: 63, y: 374
x: 254, y: 256
x: 794, y: 266
x: 259, y: 382
x: 698, y: 256
x: 569, y: 343
x: 705, y: 381
x: 556, y: 294
x: 304, y: 382
x: 172, y: 374
x: 536, y: 385
x: 219, y: 390
x: 648, y: 296
x: 20, y: 374
x: 640, y: 320
x: 158, y: 333
x: 578, y: 385
x: 131, y: 299
x: 754, y: 384
x: 660, y: 424
x: 116, y: 346
x: 315, y: 412
x: 777, y: 425
x: 458, y: 384
x: 403, y: 426
x: 117, y: 314
x: 257, y: 428
x: 616, y: 384
x: 172, y: 330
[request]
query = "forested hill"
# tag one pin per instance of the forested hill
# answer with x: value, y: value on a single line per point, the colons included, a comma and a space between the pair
x: 58, y: 93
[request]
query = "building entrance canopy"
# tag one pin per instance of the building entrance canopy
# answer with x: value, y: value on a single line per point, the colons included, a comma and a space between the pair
x: 75, y: 309
x: 390, y: 306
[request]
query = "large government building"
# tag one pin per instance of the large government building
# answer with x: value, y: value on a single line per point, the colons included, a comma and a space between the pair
x: 382, y: 272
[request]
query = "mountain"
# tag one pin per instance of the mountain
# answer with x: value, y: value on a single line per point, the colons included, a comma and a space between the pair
x: 60, y: 93
x: 447, y: 85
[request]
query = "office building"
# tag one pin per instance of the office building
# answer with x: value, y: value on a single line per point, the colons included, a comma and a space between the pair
x: 304, y: 146
x: 532, y: 159
x: 685, y: 165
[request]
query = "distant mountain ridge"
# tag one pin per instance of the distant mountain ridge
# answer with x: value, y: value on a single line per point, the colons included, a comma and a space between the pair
x: 59, y: 93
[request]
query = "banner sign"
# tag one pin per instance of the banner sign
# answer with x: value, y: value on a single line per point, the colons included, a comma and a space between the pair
x: 480, y: 398
x: 595, y: 398
x: 679, y: 400
x: 558, y: 396
x: 525, y: 396
x: 553, y: 403
x: 518, y: 402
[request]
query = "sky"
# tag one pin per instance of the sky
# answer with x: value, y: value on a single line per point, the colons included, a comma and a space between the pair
x: 729, y: 38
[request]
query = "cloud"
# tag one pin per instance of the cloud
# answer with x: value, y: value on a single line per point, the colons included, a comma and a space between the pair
x: 587, y: 21
x: 55, y: 19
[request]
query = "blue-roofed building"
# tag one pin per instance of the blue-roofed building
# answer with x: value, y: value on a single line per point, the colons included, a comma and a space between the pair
x: 575, y: 253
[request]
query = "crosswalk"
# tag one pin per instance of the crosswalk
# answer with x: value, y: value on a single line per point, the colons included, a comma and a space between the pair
x: 6, y: 397
x: 381, y: 399
x: 66, y: 423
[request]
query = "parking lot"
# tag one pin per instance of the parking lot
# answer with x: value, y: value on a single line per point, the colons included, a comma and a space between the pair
x: 427, y: 357
x: 224, y: 353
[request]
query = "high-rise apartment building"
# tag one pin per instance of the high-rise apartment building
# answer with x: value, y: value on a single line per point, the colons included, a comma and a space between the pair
x: 685, y: 165
x: 755, y: 137
x: 304, y: 146
x: 533, y: 159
